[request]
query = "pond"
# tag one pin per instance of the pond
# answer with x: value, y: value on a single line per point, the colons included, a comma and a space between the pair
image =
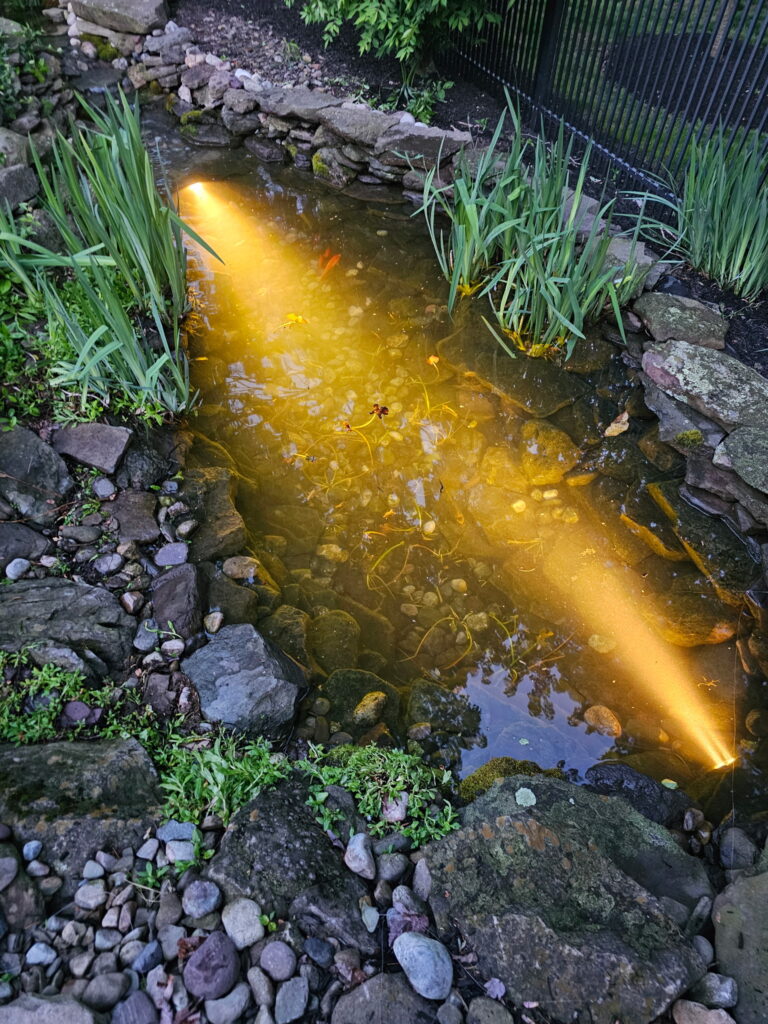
x: 479, y: 518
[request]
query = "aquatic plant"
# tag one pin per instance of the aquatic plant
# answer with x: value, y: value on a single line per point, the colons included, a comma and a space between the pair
x: 721, y: 218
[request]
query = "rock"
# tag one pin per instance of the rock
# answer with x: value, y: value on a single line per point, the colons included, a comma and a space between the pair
x: 33, y: 478
x: 266, y: 150
x: 746, y: 453
x: 18, y: 541
x: 547, y: 453
x: 333, y: 638
x: 40, y: 953
x: 135, y: 514
x: 262, y: 987
x: 291, y: 1001
x: 418, y: 145
x: 385, y: 997
x: 278, y: 960
x: 243, y: 683
x: 242, y: 922
x: 319, y: 951
x: 89, y: 620
x: 180, y: 850
x: 21, y: 904
x: 33, y: 1009
x: 176, y: 599
x: 237, y: 604
x: 681, y: 427
x: 346, y: 688
x: 712, y: 547
x: 94, y: 444
x: 78, y: 796
x: 717, y: 385
x: 107, y: 564
x: 359, y: 857
x: 201, y: 898
x: 229, y: 1008
x: 136, y: 1009
x: 213, y: 969
x: 741, y: 937
x: 103, y: 991
x: 674, y: 316
x: 151, y: 956
x: 736, y: 851
x: 602, y: 720
x: 18, y: 184
x: 287, y: 628
x: 443, y: 709
x: 171, y: 554
x: 648, y: 797
x: 299, y: 102
x: 273, y: 851
x: 427, y: 964
x: 716, y: 991
x: 14, y: 149
x: 332, y: 167
x: 558, y: 921
x: 487, y: 1011
x: 210, y: 494
x: 686, y: 1012
x: 137, y: 16
x: 17, y: 568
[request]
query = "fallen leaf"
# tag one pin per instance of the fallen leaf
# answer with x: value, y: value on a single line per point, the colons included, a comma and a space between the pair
x: 618, y: 426
x: 495, y: 988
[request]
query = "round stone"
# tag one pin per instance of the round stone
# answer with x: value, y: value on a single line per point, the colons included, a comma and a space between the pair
x: 278, y: 960
x: 231, y: 1007
x: 103, y: 991
x: 108, y: 564
x: 201, y: 898
x: 242, y: 922
x: 359, y: 856
x: 172, y: 554
x: 17, y: 568
x: 427, y: 964
x: 213, y: 969
x: 40, y: 953
x: 32, y: 849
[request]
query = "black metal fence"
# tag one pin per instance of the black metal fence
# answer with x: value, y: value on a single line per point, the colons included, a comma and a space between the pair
x: 642, y: 78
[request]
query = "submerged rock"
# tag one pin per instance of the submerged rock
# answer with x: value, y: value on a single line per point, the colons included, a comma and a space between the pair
x: 346, y: 688
x: 482, y: 778
x: 587, y: 873
x: 547, y: 453
x: 210, y: 494
x: 741, y: 938
x: 243, y: 683
x: 333, y: 638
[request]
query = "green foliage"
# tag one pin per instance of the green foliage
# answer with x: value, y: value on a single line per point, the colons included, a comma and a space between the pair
x: 516, y: 235
x: 217, y: 779
x: 722, y: 218
x: 418, y: 96
x: 403, y: 29
x: 373, y: 775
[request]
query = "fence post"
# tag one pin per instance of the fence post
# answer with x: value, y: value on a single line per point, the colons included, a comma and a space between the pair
x: 547, y: 56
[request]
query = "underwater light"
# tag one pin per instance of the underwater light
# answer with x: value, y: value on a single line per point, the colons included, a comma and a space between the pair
x: 723, y: 764
x: 197, y: 187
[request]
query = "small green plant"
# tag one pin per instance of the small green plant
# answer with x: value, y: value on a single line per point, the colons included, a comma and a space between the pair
x: 721, y: 219
x: 18, y: 55
x: 200, y: 777
x: 268, y: 922
x: 32, y: 700
x: 373, y: 775
x: 151, y: 877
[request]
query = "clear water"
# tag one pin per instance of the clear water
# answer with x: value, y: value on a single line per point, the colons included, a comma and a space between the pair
x: 532, y: 601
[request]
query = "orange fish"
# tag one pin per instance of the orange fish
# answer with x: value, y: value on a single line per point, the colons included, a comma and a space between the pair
x: 328, y: 262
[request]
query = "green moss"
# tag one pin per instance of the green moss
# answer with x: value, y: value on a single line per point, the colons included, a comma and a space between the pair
x: 319, y: 166
x: 689, y: 438
x: 190, y: 117
x: 104, y: 49
x: 484, y: 777
x: 291, y: 150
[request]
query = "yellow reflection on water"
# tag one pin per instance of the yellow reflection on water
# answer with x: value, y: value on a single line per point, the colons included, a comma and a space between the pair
x: 292, y: 323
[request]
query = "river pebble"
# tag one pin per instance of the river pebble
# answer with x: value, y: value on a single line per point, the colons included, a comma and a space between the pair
x: 359, y: 856
x: 242, y: 922
x: 427, y: 964
x: 278, y: 960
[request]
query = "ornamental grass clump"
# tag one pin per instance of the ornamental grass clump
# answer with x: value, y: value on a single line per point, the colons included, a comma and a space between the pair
x: 721, y: 220
x: 518, y: 235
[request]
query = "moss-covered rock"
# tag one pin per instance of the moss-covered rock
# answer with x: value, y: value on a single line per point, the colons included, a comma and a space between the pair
x: 333, y: 639
x: 482, y: 778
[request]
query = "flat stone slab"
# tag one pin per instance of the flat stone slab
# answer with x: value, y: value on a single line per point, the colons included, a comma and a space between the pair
x: 712, y: 547
x: 19, y: 541
x: 83, y: 618
x: 139, y: 16
x: 135, y: 513
x: 675, y: 316
x: 358, y: 124
x: 556, y: 890
x: 94, y: 444
x: 406, y: 145
x: 711, y: 382
x: 305, y: 104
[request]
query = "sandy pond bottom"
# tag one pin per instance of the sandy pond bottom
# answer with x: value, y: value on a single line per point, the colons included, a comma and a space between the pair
x: 464, y: 508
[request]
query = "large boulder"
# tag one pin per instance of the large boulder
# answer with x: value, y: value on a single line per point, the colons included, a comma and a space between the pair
x: 77, y: 798
x: 717, y: 385
x: 139, y: 16
x: 741, y: 941
x: 275, y: 853
x: 33, y: 478
x: 243, y: 683
x: 89, y: 620
x: 557, y: 890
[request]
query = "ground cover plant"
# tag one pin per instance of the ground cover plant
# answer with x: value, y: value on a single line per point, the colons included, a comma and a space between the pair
x: 111, y: 299
x: 518, y: 234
